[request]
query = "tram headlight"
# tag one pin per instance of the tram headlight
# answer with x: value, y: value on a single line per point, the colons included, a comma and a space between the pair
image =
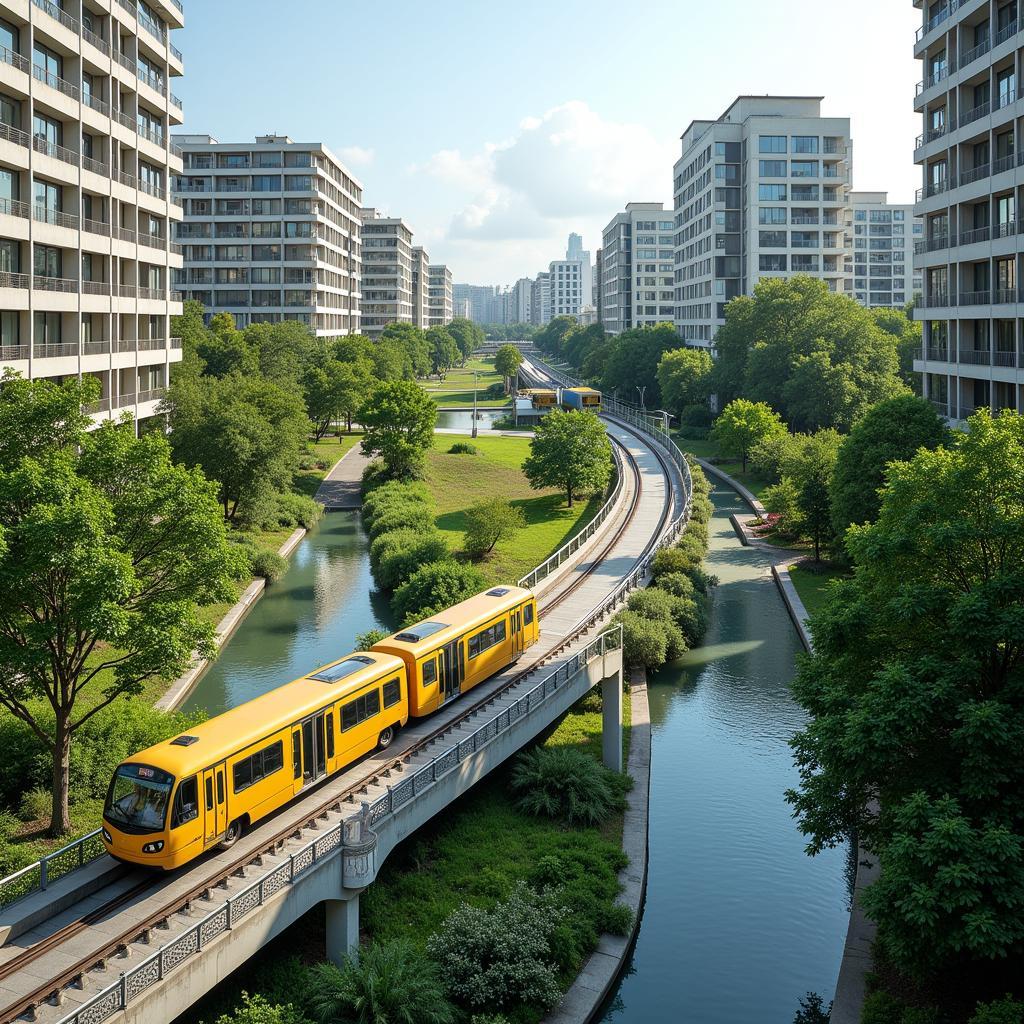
x: 153, y: 847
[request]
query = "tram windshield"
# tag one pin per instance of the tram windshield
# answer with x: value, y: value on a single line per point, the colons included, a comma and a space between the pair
x: 138, y: 797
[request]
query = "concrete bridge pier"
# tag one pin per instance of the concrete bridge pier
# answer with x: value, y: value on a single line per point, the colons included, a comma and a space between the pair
x: 611, y: 721
x: 342, y: 928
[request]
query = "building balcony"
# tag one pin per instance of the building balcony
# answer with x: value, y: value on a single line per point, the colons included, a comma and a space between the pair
x: 12, y: 353
x: 57, y: 218
x: 64, y: 87
x: 14, y: 209
x: 14, y: 59
x: 55, y: 284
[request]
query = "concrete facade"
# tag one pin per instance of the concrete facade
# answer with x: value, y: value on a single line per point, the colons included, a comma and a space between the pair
x: 566, y: 287
x: 760, y: 192
x: 387, y: 272
x: 439, y: 295
x: 884, y: 236
x: 420, y: 286
x: 972, y: 173
x: 636, y: 284
x: 271, y: 232
x: 86, y: 219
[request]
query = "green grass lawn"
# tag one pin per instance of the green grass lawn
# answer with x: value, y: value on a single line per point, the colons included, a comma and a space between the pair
x: 709, y: 450
x: 464, y: 399
x: 458, y: 481
x: 812, y: 583
x: 462, y: 376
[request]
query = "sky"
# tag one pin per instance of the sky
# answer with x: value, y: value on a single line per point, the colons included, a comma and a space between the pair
x: 495, y: 127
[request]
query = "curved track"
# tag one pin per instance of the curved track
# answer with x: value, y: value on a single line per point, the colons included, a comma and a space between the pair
x: 83, y: 940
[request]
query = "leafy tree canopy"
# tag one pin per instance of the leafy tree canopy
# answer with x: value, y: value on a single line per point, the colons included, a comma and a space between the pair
x: 916, y: 698
x: 631, y: 362
x: 398, y: 418
x: 571, y: 451
x: 744, y: 424
x: 683, y: 377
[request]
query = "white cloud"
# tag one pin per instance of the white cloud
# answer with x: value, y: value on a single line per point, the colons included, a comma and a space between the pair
x: 357, y: 155
x: 568, y: 170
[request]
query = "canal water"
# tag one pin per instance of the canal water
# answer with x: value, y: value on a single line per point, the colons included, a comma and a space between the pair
x: 308, y: 617
x: 462, y: 419
x: 739, y: 923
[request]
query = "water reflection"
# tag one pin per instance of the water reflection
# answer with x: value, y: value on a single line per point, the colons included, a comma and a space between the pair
x: 739, y: 922
x: 462, y: 419
x: 311, y: 615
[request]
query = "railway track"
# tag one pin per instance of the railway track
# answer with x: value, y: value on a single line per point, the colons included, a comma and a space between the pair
x: 49, y: 993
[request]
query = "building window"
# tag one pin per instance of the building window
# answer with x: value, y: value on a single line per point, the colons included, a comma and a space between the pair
x: 771, y: 215
x: 772, y: 144
x: 771, y: 193
x: 772, y: 168
x: 804, y: 169
x: 805, y: 144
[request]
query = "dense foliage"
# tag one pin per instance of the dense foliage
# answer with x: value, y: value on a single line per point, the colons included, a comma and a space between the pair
x: 571, y: 451
x: 815, y: 356
x: 744, y: 424
x: 562, y: 782
x: 398, y: 420
x: 489, y: 521
x: 916, y: 698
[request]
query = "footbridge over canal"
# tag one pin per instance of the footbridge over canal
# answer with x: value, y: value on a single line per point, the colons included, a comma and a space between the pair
x: 108, y: 943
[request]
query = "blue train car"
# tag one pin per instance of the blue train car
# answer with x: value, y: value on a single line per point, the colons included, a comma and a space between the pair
x: 585, y: 399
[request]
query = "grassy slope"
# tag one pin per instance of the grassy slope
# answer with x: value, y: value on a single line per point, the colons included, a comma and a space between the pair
x: 813, y: 584
x: 459, y: 399
x: 458, y: 481
x: 709, y: 450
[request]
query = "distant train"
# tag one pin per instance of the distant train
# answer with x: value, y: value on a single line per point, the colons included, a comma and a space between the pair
x: 171, y: 802
x: 540, y: 398
x: 581, y: 399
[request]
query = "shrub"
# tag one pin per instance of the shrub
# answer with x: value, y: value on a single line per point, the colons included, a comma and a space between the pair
x: 391, y: 490
x: 882, y: 1008
x: 413, y: 516
x: 496, y: 390
x: 615, y: 919
x: 434, y: 587
x: 782, y: 500
x: 812, y: 1010
x: 677, y: 584
x: 562, y: 782
x: 697, y: 415
x: 388, y: 983
x: 658, y: 606
x: 1003, y: 1011
x: 36, y: 804
x: 298, y: 510
x: 256, y: 1009
x: 268, y: 564
x: 643, y: 641
x: 502, y: 957
x: 397, y: 566
x: 364, y: 641
x: 384, y: 503
x: 489, y: 521
x: 463, y: 448
x: 394, y: 540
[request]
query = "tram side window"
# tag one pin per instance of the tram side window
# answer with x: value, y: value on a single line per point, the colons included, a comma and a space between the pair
x: 358, y: 710
x: 258, y: 766
x: 528, y: 614
x: 393, y: 692
x: 430, y: 672
x: 296, y: 755
x: 186, y: 803
x: 486, y: 638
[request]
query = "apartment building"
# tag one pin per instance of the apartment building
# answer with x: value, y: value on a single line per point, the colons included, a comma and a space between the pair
x: 518, y: 303
x: 387, y: 272
x: 566, y: 287
x: 575, y: 251
x: 86, y: 250
x: 636, y: 286
x: 420, y: 286
x: 271, y: 232
x: 971, y: 176
x: 884, y: 235
x: 540, y: 300
x: 763, y: 191
x: 439, y: 295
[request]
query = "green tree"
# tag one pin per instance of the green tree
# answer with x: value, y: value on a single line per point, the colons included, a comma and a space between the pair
x: 816, y: 356
x: 108, y: 551
x: 507, y: 361
x: 244, y: 432
x: 283, y: 350
x: 387, y: 983
x: 744, y: 424
x: 916, y: 704
x: 434, y: 587
x: 443, y: 350
x: 489, y: 521
x: 571, y: 451
x: 683, y: 377
x: 901, y: 324
x: 398, y: 418
x: 224, y: 350
x: 549, y: 338
x: 468, y: 337
x: 891, y: 431
x: 332, y: 389
x: 583, y: 344
x: 192, y: 330
x: 413, y: 342
x: 631, y: 362
x: 256, y: 1009
x: 814, y: 498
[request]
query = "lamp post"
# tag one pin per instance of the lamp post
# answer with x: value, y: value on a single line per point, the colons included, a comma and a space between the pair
x: 643, y: 391
x: 475, y: 376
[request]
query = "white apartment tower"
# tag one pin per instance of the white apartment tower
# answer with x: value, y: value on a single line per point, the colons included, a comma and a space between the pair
x: 387, y: 272
x: 760, y: 192
x: 519, y: 301
x: 636, y: 283
x: 972, y: 173
x: 884, y: 235
x: 575, y: 251
x: 271, y: 232
x: 420, y: 286
x: 86, y: 250
x: 439, y: 295
x: 566, y: 287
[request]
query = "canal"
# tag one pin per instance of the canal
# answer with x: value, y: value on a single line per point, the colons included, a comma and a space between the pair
x: 739, y: 923
x: 309, y: 617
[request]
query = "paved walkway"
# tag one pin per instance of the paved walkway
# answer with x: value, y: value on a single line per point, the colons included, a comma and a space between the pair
x: 340, y: 489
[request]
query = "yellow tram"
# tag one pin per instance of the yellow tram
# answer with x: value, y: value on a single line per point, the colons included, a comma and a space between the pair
x: 171, y: 802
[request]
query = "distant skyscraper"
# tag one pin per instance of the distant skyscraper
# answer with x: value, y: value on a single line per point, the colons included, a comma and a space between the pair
x: 575, y: 252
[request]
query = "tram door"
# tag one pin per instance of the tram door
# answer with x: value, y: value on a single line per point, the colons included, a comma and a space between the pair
x: 517, y: 632
x: 215, y: 820
x: 314, y: 752
x: 452, y: 670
